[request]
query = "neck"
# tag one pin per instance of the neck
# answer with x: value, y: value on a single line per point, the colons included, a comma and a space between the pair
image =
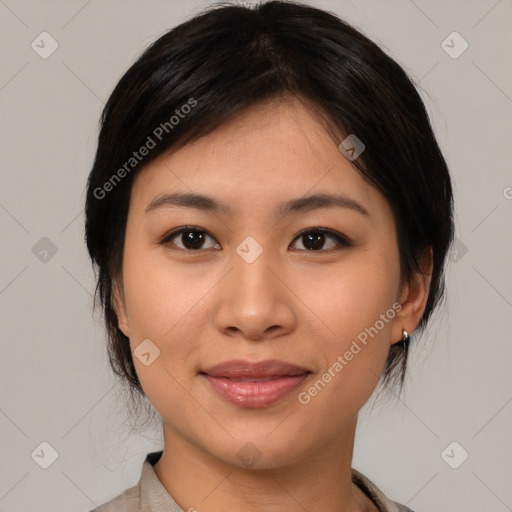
x: 321, y: 481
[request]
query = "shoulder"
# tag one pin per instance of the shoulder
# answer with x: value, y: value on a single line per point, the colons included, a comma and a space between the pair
x: 127, y: 501
x: 382, y: 502
x: 146, y: 495
x: 401, y: 508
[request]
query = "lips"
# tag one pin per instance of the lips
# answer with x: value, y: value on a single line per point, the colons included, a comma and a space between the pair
x: 245, y: 369
x: 248, y: 384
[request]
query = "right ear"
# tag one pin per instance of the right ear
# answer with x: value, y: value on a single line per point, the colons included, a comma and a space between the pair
x: 119, y: 305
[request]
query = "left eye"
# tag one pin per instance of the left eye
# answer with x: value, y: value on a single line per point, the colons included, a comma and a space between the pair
x: 313, y: 239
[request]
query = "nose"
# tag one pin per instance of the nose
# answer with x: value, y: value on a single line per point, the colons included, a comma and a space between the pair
x: 255, y: 301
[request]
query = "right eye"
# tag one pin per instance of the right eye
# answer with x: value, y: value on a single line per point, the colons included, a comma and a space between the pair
x: 192, y: 239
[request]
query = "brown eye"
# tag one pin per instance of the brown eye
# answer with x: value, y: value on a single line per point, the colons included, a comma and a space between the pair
x: 316, y: 239
x: 190, y: 238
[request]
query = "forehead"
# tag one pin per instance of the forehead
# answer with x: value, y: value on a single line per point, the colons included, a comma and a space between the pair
x: 271, y: 151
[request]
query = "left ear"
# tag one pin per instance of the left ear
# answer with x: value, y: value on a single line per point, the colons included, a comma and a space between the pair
x: 413, y: 299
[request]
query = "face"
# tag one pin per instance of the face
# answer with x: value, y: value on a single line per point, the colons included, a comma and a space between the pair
x: 267, y: 275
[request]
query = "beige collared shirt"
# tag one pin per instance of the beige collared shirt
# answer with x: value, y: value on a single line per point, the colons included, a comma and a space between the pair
x: 149, y: 495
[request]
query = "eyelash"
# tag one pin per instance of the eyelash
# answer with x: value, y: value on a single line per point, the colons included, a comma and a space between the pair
x: 338, y: 237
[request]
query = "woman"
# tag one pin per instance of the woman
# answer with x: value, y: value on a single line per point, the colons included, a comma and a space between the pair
x: 269, y: 214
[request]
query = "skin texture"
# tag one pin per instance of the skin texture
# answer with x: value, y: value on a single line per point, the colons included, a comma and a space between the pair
x: 301, y: 306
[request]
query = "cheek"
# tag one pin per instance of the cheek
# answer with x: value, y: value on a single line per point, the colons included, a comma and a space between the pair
x: 356, y: 303
x: 164, y: 314
x: 352, y: 360
x: 160, y: 295
x: 351, y: 297
x: 159, y: 306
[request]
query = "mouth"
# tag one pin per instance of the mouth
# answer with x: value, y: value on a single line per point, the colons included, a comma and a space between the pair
x: 254, y: 385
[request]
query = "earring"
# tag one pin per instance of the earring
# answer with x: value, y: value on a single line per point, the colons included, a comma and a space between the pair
x: 405, y: 338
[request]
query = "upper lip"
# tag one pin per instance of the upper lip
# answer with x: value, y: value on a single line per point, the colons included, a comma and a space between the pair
x: 243, y: 368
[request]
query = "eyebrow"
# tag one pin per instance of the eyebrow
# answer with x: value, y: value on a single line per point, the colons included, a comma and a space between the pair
x: 300, y: 204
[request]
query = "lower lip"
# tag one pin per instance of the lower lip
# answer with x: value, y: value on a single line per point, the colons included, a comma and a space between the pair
x: 255, y: 394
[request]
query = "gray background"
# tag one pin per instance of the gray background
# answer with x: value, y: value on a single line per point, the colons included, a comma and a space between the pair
x: 56, y: 386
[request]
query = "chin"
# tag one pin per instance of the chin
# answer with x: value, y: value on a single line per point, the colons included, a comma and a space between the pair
x: 259, y: 452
